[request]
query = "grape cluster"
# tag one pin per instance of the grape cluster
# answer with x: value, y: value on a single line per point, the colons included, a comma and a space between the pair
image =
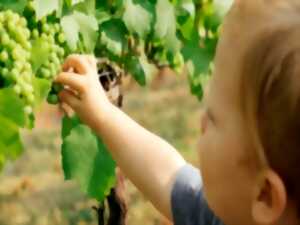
x: 53, y: 38
x: 15, y: 67
x: 49, y: 32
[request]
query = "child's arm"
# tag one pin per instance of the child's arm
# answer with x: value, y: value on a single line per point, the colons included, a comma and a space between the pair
x: 147, y: 160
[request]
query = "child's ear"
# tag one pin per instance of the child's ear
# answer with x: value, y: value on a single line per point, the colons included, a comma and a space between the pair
x: 270, y: 198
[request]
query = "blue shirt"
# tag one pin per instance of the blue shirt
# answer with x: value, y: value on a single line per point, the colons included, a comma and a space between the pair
x: 189, y: 206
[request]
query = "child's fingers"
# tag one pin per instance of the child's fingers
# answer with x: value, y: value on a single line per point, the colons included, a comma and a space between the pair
x: 67, y: 109
x: 69, y: 98
x: 78, y: 63
x: 72, y: 80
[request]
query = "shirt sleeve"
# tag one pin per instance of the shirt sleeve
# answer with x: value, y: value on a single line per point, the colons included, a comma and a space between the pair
x: 189, y: 206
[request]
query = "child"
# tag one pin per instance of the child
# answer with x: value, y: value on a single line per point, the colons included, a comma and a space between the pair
x: 250, y: 147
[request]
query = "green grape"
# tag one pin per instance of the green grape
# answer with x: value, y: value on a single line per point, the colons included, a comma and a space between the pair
x: 46, y: 28
x: 27, y: 33
x: 44, y: 20
x: 57, y: 87
x: 27, y: 76
x: 5, y: 72
x: 28, y: 110
x: 61, y: 38
x: 57, y: 27
x: 31, y: 5
x: 30, y: 98
x: 23, y: 22
x: 27, y: 45
x: 17, y: 89
x: 52, y: 99
x: 16, y: 54
x: 27, y: 66
x: 46, y: 73
x: 35, y: 33
x: 14, y: 74
x: 4, y: 56
x: 19, y: 65
x: 11, y: 26
x: 5, y: 39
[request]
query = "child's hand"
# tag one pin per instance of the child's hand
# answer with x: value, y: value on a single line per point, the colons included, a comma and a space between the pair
x: 83, y: 91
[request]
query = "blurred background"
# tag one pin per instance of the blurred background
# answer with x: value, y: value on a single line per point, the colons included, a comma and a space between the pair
x: 33, y: 190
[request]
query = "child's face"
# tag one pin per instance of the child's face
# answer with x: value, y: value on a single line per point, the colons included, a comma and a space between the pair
x: 228, y: 183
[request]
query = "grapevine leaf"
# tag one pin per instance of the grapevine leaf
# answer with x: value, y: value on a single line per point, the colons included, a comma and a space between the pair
x: 134, y: 67
x: 201, y: 56
x: 45, y: 7
x: 74, y: 2
x: 165, y: 27
x: 60, y: 9
x: 79, y: 23
x: 222, y: 6
x: 68, y: 124
x: 41, y: 88
x: 11, y: 107
x: 113, y: 33
x: 185, y: 12
x: 15, y: 5
x: 137, y: 18
x: 195, y: 81
x: 88, y: 28
x: 86, y: 159
x: 71, y: 29
x: 86, y: 6
x: 10, y: 141
x: 39, y: 53
x: 102, y: 16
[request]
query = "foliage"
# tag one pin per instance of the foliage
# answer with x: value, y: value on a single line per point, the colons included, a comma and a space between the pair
x: 130, y: 33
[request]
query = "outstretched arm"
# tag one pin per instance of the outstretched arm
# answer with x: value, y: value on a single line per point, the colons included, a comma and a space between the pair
x: 147, y: 160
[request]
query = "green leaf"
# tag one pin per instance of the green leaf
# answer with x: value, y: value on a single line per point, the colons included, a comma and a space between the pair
x: 113, y: 33
x: 71, y: 29
x: 102, y: 16
x: 137, y: 18
x: 68, y: 124
x: 185, y: 12
x: 10, y: 141
x: 41, y: 88
x: 134, y: 67
x: 74, y: 2
x: 88, y: 28
x: 11, y: 107
x: 39, y: 53
x: 222, y: 6
x: 86, y: 6
x: 86, y: 159
x: 165, y: 27
x: 15, y: 5
x: 200, y: 56
x: 45, y: 7
x: 79, y: 23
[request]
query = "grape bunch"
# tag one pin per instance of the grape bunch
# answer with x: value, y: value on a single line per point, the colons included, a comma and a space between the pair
x: 53, y: 38
x: 50, y: 34
x: 15, y: 67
